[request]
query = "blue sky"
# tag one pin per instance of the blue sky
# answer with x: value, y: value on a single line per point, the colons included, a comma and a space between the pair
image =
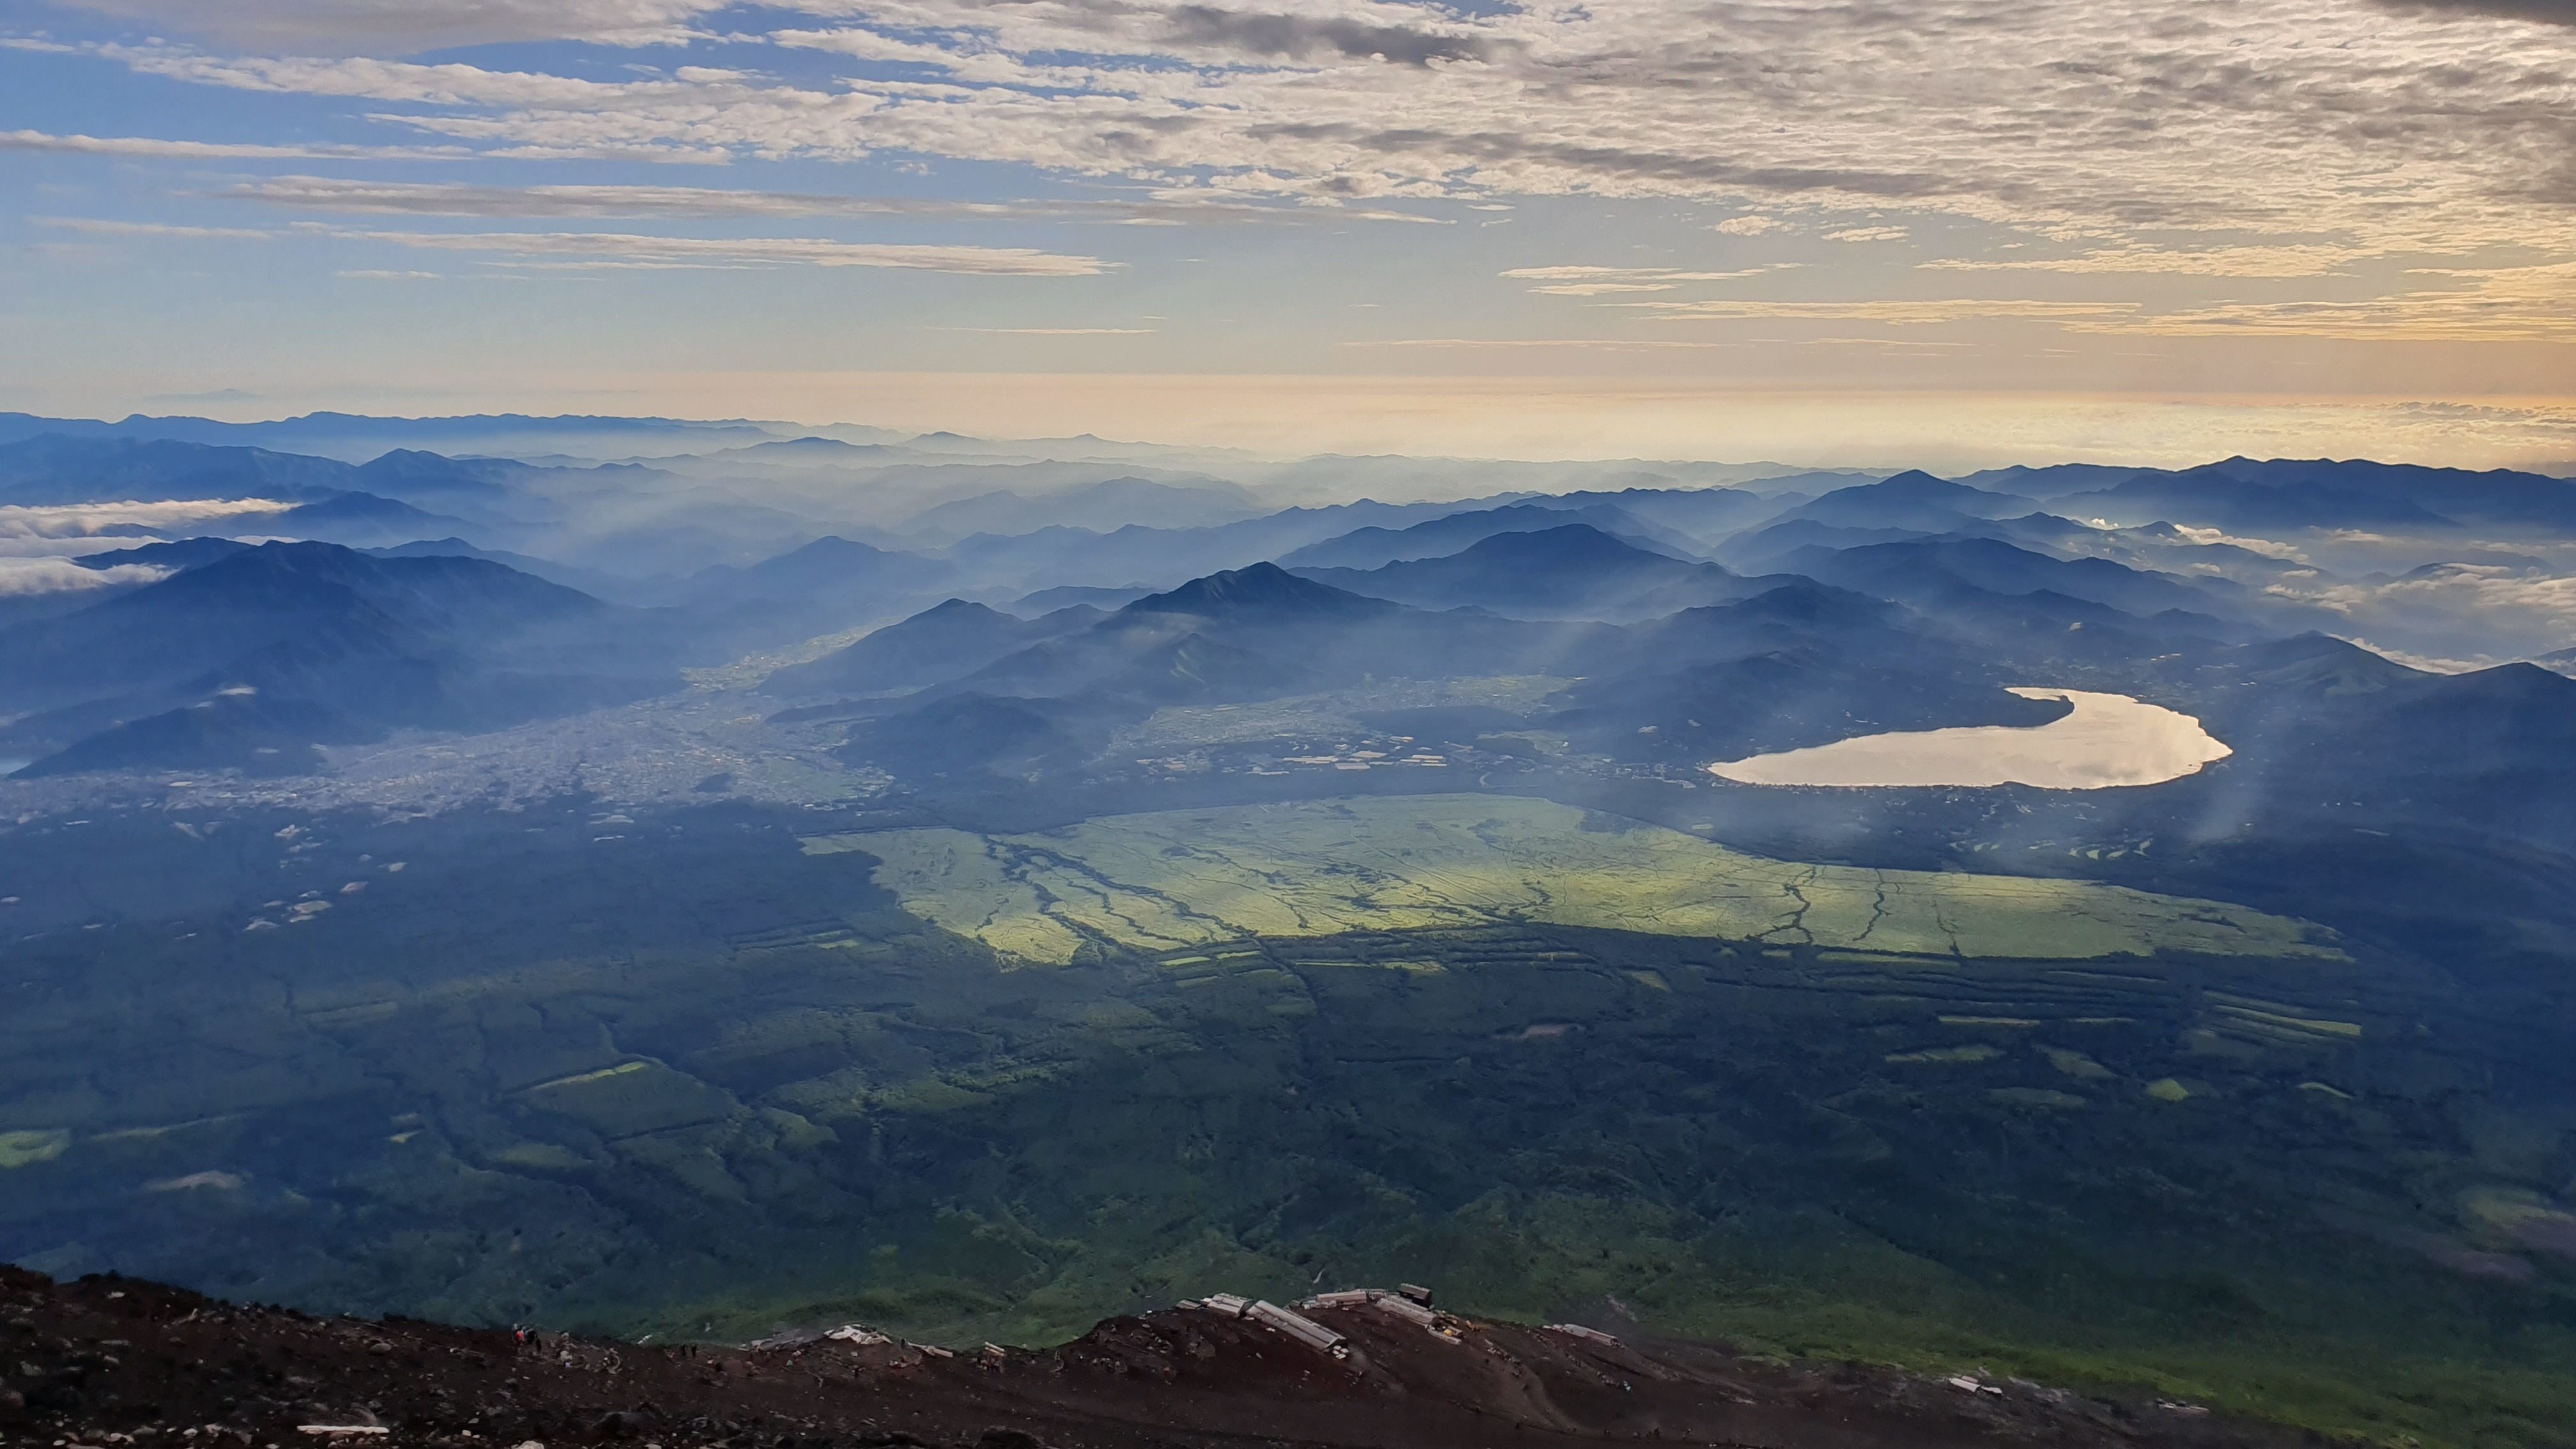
x: 2035, y: 229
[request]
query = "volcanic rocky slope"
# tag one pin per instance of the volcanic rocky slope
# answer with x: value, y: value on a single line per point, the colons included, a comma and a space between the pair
x: 118, y: 1361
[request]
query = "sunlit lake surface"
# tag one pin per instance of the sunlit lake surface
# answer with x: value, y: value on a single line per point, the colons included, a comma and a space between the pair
x: 2108, y: 740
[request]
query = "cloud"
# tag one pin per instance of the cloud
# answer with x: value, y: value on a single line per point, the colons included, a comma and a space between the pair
x: 2312, y: 260
x: 1579, y: 281
x: 28, y: 528
x: 215, y: 150
x: 1615, y: 344
x: 579, y: 250
x: 1893, y: 312
x: 2014, y: 110
x: 450, y: 84
x: 2414, y: 127
x: 871, y: 45
x: 1586, y: 273
x: 2415, y: 317
x: 102, y: 226
x: 614, y: 249
x: 1293, y: 37
x: 2506, y: 304
x: 2457, y: 304
x: 20, y: 577
x: 1601, y: 289
x: 2308, y: 132
x: 401, y: 26
x: 456, y: 198
x: 1057, y: 331
x: 2551, y: 12
x: 1868, y: 234
x: 2269, y: 548
x: 2500, y: 601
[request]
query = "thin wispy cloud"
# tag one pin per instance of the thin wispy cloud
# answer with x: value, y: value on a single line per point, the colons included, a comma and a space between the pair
x: 147, y: 146
x: 1612, y: 344
x: 1588, y: 281
x: 2231, y: 261
x: 634, y: 250
x: 458, y: 198
x: 399, y: 26
x: 622, y: 248
x: 112, y: 226
x: 1892, y: 311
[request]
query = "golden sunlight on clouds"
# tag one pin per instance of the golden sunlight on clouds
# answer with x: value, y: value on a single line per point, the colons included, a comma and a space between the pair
x: 1710, y: 206
x: 1560, y: 417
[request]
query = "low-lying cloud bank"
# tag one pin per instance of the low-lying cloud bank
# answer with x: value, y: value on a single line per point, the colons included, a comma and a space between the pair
x: 20, y: 524
x: 21, y: 577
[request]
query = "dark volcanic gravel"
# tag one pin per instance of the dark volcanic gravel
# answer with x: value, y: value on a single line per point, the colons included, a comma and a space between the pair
x: 114, y: 1362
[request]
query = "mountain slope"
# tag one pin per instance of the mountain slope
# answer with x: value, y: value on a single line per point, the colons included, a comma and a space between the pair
x: 104, y: 1356
x: 1375, y: 547
x: 1263, y: 594
x: 1800, y: 664
x: 830, y: 584
x: 54, y: 469
x: 2331, y: 733
x: 1924, y: 570
x: 309, y: 642
x: 177, y: 553
x: 1913, y: 500
x: 1568, y: 571
x: 939, y: 644
x: 1231, y: 637
x: 2298, y: 494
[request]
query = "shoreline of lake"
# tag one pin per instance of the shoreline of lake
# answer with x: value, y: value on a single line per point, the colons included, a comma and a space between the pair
x: 2105, y: 741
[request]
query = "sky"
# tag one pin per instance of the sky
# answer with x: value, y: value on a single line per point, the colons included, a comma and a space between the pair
x: 1948, y: 232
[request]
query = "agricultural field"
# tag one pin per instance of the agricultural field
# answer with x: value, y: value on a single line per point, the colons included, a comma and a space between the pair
x: 1166, y: 880
x: 712, y: 1072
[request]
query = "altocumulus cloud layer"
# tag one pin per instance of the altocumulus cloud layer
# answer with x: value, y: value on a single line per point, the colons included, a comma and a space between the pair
x: 2275, y: 117
x: 2145, y: 184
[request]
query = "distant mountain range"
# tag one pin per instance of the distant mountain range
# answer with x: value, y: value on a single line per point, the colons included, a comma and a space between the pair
x: 1370, y: 548
x: 355, y: 438
x: 251, y: 659
x: 2290, y: 494
x: 1788, y: 663
x: 53, y: 469
x: 939, y: 644
x: 1573, y: 571
x: 994, y: 608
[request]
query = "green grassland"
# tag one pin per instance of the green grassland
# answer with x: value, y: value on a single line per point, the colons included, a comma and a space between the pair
x: 692, y: 1075
x: 1173, y: 879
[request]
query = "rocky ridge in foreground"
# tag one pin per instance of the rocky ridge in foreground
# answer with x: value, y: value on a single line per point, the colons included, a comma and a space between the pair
x: 117, y: 1362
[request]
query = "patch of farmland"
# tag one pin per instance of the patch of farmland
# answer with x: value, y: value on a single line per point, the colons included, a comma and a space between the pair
x: 1179, y: 880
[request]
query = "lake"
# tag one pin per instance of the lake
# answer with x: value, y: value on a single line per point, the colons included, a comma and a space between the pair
x: 2107, y: 740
